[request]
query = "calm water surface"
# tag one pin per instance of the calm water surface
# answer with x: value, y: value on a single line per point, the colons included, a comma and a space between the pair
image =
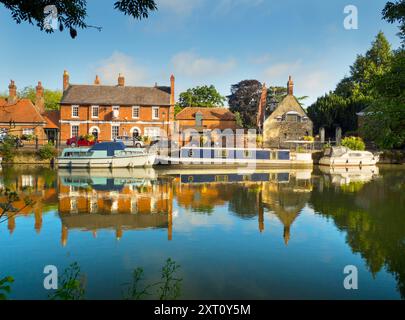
x: 265, y: 235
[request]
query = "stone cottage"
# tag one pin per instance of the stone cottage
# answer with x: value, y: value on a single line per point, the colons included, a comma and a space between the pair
x: 288, y: 121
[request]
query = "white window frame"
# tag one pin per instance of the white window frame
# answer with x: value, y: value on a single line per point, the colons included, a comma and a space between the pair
x: 92, y: 111
x: 112, y: 131
x: 133, y: 111
x: 28, y: 131
x: 73, y: 113
x: 153, y: 112
x: 151, y: 132
x: 117, y: 108
x: 71, y: 130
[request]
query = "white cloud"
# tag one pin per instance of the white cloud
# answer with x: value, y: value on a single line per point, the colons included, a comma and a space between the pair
x: 180, y: 7
x: 191, y: 65
x: 118, y: 62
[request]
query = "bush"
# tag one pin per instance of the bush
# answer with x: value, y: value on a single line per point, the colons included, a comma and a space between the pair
x: 47, y: 152
x: 309, y: 138
x: 354, y: 143
x: 8, y: 149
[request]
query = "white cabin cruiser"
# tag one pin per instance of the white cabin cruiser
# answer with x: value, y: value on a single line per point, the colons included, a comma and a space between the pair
x: 342, y: 156
x: 106, y: 155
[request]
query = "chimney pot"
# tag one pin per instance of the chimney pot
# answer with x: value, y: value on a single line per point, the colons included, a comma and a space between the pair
x: 12, y: 92
x: 65, y: 80
x: 290, y: 86
x: 97, y: 80
x: 121, y: 80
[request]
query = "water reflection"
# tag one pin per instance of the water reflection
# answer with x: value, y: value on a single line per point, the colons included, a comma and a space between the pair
x: 365, y: 204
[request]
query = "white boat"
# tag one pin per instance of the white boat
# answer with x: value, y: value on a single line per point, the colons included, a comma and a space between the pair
x: 106, y: 155
x: 342, y: 156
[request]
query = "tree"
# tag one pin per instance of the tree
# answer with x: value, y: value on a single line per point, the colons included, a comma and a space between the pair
x: 244, y: 99
x: 354, y: 92
x: 71, y: 14
x: 52, y: 97
x: 385, y: 118
x: 201, y: 96
x: 395, y: 12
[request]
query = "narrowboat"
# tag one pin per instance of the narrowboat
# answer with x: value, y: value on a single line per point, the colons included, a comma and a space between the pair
x: 342, y: 156
x: 106, y: 155
x: 237, y: 157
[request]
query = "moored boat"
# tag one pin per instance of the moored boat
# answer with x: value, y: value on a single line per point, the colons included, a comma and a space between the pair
x: 235, y: 157
x: 106, y: 155
x: 343, y: 156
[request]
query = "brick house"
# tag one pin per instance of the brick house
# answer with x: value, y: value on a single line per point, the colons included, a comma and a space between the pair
x: 287, y: 122
x: 108, y: 111
x: 22, y: 117
x: 201, y: 120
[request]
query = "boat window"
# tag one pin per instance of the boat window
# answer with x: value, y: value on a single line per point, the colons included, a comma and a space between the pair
x: 273, y: 155
x: 190, y: 179
x: 355, y: 154
x: 247, y: 154
x: 190, y: 153
x: 222, y: 178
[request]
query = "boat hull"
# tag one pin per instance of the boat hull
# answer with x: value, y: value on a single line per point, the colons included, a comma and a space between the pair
x: 345, y: 162
x: 108, y: 162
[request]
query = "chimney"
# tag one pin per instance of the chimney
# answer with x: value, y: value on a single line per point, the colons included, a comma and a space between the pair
x: 290, y: 86
x: 97, y: 80
x: 39, y: 97
x: 121, y: 80
x: 12, y: 92
x: 65, y: 80
x: 172, y: 102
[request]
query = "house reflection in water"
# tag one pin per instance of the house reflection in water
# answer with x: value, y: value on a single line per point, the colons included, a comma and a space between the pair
x: 279, y: 192
x: 40, y: 189
x: 91, y: 203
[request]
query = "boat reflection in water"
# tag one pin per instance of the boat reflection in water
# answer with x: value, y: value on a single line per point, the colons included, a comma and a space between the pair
x: 119, y: 199
x: 348, y: 175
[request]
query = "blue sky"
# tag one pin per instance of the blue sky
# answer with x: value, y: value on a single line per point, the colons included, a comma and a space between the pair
x: 217, y: 42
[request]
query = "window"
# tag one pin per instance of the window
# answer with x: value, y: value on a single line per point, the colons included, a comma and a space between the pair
x: 155, y: 112
x: 115, y: 111
x: 152, y: 131
x: 75, y: 131
x: 94, y: 111
x: 135, y: 112
x: 75, y: 111
x: 28, y: 131
x: 115, y: 130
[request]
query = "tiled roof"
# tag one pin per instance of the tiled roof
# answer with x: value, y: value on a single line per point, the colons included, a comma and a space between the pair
x: 116, y: 95
x: 188, y: 113
x: 22, y: 111
x: 52, y: 119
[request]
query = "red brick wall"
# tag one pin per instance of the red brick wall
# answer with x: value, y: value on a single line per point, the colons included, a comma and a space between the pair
x: 105, y: 114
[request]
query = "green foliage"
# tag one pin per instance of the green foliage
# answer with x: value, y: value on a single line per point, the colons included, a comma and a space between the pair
x: 395, y: 12
x: 71, y: 14
x: 168, y: 288
x: 354, y: 143
x: 239, y: 120
x: 71, y: 284
x: 5, y: 287
x: 384, y: 121
x: 8, y: 149
x: 201, y: 96
x: 47, y: 151
x: 355, y: 92
x: 51, y: 97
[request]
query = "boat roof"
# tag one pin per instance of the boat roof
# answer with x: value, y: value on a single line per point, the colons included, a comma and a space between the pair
x: 110, y: 147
